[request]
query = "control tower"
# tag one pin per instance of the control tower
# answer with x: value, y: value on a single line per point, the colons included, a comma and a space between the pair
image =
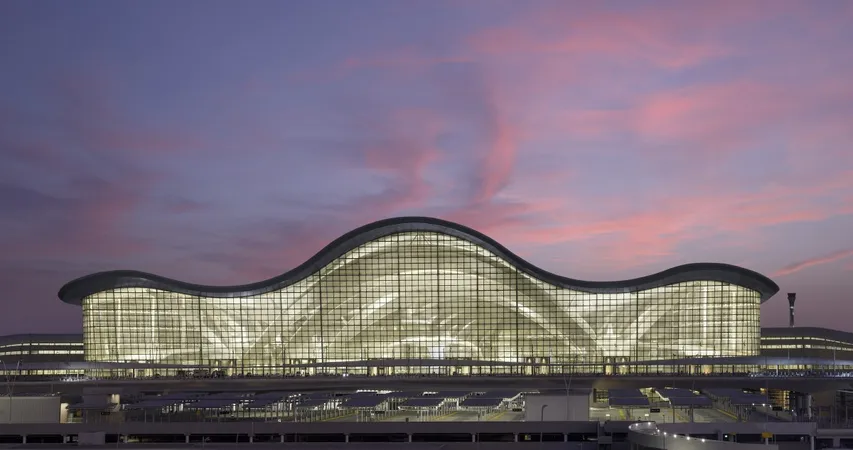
x: 792, y: 297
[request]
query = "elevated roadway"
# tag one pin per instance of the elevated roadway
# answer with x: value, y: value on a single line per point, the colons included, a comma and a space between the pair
x: 320, y: 383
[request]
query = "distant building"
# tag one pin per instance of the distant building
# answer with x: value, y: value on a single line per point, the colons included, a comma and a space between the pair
x: 807, y: 342
x: 40, y: 354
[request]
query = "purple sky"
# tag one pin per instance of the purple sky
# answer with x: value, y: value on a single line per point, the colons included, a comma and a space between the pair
x: 226, y: 142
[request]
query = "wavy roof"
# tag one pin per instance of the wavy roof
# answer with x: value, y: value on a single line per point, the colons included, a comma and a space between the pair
x: 74, y: 291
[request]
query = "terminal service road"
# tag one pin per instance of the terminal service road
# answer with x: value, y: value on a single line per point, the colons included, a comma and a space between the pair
x: 305, y: 384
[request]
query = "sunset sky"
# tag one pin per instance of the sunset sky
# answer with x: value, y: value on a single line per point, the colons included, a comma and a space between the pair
x: 225, y: 142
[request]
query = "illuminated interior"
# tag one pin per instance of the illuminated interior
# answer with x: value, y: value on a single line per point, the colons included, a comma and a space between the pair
x: 393, y: 302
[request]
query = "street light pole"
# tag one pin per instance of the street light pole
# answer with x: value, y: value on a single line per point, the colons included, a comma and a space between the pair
x: 10, y: 384
x: 568, y: 401
x: 8, y: 389
x: 541, y: 421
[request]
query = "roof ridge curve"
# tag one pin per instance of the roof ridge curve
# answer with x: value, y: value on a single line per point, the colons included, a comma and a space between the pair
x: 74, y: 291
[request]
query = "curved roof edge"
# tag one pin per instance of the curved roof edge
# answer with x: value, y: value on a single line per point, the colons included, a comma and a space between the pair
x: 74, y: 291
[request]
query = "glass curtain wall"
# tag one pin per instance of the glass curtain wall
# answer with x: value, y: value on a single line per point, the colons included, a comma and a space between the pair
x: 421, y: 302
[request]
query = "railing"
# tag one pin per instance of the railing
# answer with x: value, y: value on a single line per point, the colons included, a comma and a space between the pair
x: 647, y: 434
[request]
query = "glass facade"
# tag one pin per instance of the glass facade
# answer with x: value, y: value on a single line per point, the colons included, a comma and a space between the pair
x: 422, y: 302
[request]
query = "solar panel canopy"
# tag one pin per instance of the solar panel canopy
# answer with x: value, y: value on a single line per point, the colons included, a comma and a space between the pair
x: 365, y: 402
x: 451, y: 394
x: 690, y: 401
x: 405, y: 394
x: 636, y: 401
x: 749, y: 399
x: 262, y: 403
x: 422, y: 402
x: 738, y: 397
x: 724, y: 392
x: 312, y: 402
x: 276, y: 395
x: 676, y: 392
x: 500, y: 394
x: 480, y: 402
x: 213, y: 403
x: 624, y: 393
x: 318, y: 395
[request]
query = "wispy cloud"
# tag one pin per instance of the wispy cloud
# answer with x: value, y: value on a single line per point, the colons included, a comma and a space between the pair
x: 816, y: 261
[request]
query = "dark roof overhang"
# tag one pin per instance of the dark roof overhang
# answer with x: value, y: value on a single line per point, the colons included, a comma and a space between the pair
x: 74, y: 291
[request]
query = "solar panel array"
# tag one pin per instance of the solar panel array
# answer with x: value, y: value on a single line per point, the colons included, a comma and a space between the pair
x: 482, y: 402
x: 696, y: 400
x: 363, y: 401
x: 411, y: 399
x: 505, y: 395
x: 627, y: 397
x: 214, y: 403
x: 629, y: 401
x: 276, y: 394
x: 405, y: 394
x: 364, y: 394
x: 165, y: 401
x: 318, y: 395
x: 724, y: 392
x: 192, y: 400
x: 265, y: 399
x: 261, y: 403
x: 739, y: 397
x: 450, y: 394
x: 311, y: 402
x: 676, y: 392
x: 183, y: 395
x: 625, y: 393
x: 422, y: 402
x: 684, y: 397
x: 90, y: 406
x: 154, y: 404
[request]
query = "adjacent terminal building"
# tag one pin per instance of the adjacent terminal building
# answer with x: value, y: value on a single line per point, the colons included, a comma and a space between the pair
x: 422, y: 295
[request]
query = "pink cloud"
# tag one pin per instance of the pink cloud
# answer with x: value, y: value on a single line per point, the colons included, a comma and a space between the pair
x: 815, y: 261
x: 708, y: 123
x: 657, y: 35
x: 406, y: 155
x: 499, y: 161
x: 709, y: 119
x: 560, y: 39
x: 627, y: 237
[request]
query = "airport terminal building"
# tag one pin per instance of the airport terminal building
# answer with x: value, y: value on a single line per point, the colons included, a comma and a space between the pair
x: 416, y: 310
x: 422, y: 295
